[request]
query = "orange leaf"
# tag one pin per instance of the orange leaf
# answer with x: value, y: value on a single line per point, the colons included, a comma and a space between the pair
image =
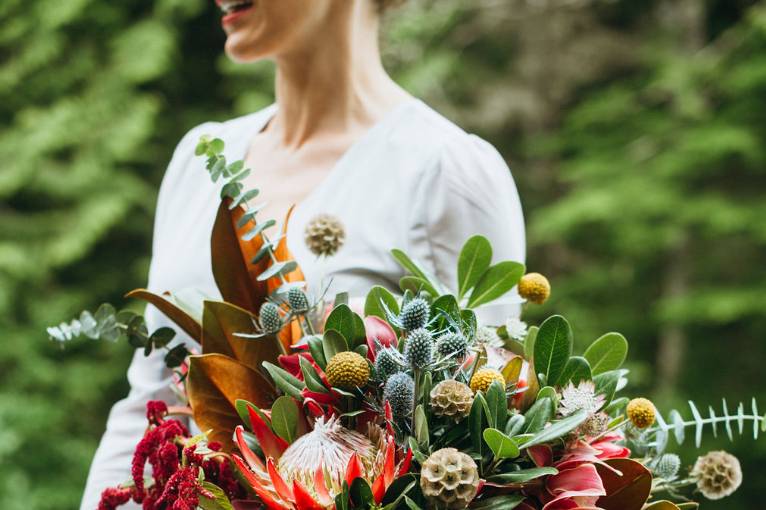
x: 231, y: 256
x: 627, y: 492
x: 214, y: 384
x: 533, y: 386
x: 220, y: 323
x: 171, y: 311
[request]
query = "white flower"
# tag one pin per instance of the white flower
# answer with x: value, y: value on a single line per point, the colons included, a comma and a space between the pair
x: 516, y: 328
x: 488, y: 336
x: 582, y: 396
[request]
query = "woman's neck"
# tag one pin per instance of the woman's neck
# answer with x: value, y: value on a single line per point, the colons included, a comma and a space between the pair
x: 335, y: 85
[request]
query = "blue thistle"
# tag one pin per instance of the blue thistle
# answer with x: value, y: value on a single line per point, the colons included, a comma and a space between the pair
x: 419, y: 349
x: 415, y: 314
x: 400, y: 394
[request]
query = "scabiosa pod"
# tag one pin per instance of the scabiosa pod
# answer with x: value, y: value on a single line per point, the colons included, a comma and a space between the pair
x: 399, y: 392
x: 415, y: 314
x: 419, y: 349
x: 718, y: 474
x: 324, y: 235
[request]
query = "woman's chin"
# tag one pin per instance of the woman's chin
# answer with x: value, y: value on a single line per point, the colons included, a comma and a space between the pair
x: 240, y: 48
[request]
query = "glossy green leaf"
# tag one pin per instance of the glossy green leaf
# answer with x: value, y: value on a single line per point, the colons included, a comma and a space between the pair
x: 346, y: 322
x: 557, y: 429
x: 577, y: 369
x: 504, y: 502
x: 497, y: 404
x: 410, y: 265
x: 285, y: 381
x: 524, y: 475
x: 496, y: 281
x: 377, y: 297
x: 477, y: 421
x: 284, y: 418
x: 606, y: 384
x: 607, y: 353
x: 502, y: 446
x: 474, y: 259
x: 553, y: 347
x: 333, y: 343
x: 538, y: 415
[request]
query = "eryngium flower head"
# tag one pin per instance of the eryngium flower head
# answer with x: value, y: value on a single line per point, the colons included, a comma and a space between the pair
x: 347, y: 370
x: 388, y: 362
x: 641, y: 412
x: 298, y: 301
x: 667, y: 466
x: 324, y: 235
x: 534, y: 287
x: 484, y: 377
x: 488, y: 336
x: 399, y: 392
x: 449, y: 479
x: 452, y: 345
x: 415, y: 314
x: 451, y: 398
x: 582, y: 396
x: 419, y: 349
x: 718, y: 474
x: 269, y: 318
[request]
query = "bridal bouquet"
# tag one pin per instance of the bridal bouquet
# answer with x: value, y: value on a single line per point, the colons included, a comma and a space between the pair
x: 402, y: 401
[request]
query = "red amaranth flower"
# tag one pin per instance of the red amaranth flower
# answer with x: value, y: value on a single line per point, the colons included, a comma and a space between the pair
x: 113, y: 497
x: 183, y: 491
x: 156, y: 410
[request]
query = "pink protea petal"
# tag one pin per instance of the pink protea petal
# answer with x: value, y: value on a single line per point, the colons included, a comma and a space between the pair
x: 271, y: 444
x: 252, y: 459
x: 320, y: 486
x: 303, y: 499
x: 388, y: 462
x: 582, y: 480
x: 284, y: 490
x: 541, y: 455
x: 379, y: 334
x: 378, y: 489
x: 404, y: 467
x: 355, y: 469
x: 257, y: 486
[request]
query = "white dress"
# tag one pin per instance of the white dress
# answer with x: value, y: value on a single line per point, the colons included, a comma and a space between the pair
x: 414, y: 181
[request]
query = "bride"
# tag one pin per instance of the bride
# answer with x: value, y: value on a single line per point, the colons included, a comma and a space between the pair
x: 342, y: 138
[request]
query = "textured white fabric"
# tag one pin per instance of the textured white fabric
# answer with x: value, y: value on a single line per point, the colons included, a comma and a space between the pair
x: 414, y: 181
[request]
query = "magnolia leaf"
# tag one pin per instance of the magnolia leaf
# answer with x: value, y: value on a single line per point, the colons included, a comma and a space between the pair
x: 496, y: 281
x: 501, y: 445
x: 474, y: 260
x: 607, y: 353
x: 553, y: 347
x: 284, y: 418
x: 628, y: 490
x: 230, y: 255
x: 221, y: 322
x: 214, y: 384
x: 171, y: 311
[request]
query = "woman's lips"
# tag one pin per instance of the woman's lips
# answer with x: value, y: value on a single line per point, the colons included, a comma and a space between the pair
x: 232, y: 10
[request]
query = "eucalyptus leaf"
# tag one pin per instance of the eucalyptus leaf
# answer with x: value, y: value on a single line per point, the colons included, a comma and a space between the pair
x: 277, y: 269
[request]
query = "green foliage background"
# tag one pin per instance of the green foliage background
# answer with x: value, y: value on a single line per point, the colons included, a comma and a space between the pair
x: 635, y: 130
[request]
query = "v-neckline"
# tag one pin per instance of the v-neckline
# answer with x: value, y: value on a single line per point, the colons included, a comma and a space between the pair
x: 270, y: 111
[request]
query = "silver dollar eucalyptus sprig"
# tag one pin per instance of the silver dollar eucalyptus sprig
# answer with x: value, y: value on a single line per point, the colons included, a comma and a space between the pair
x: 232, y: 175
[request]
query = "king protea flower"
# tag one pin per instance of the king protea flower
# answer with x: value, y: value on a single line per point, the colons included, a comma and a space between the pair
x: 308, y: 474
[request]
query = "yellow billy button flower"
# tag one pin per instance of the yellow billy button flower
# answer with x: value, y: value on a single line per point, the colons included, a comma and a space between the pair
x: 641, y: 412
x: 534, y: 287
x: 483, y: 379
x: 347, y: 370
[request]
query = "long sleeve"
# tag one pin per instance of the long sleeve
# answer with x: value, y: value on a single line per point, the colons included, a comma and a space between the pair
x: 469, y: 190
x: 148, y: 377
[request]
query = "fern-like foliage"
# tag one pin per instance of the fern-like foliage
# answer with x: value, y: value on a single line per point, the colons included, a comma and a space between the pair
x: 232, y: 175
x: 731, y: 421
